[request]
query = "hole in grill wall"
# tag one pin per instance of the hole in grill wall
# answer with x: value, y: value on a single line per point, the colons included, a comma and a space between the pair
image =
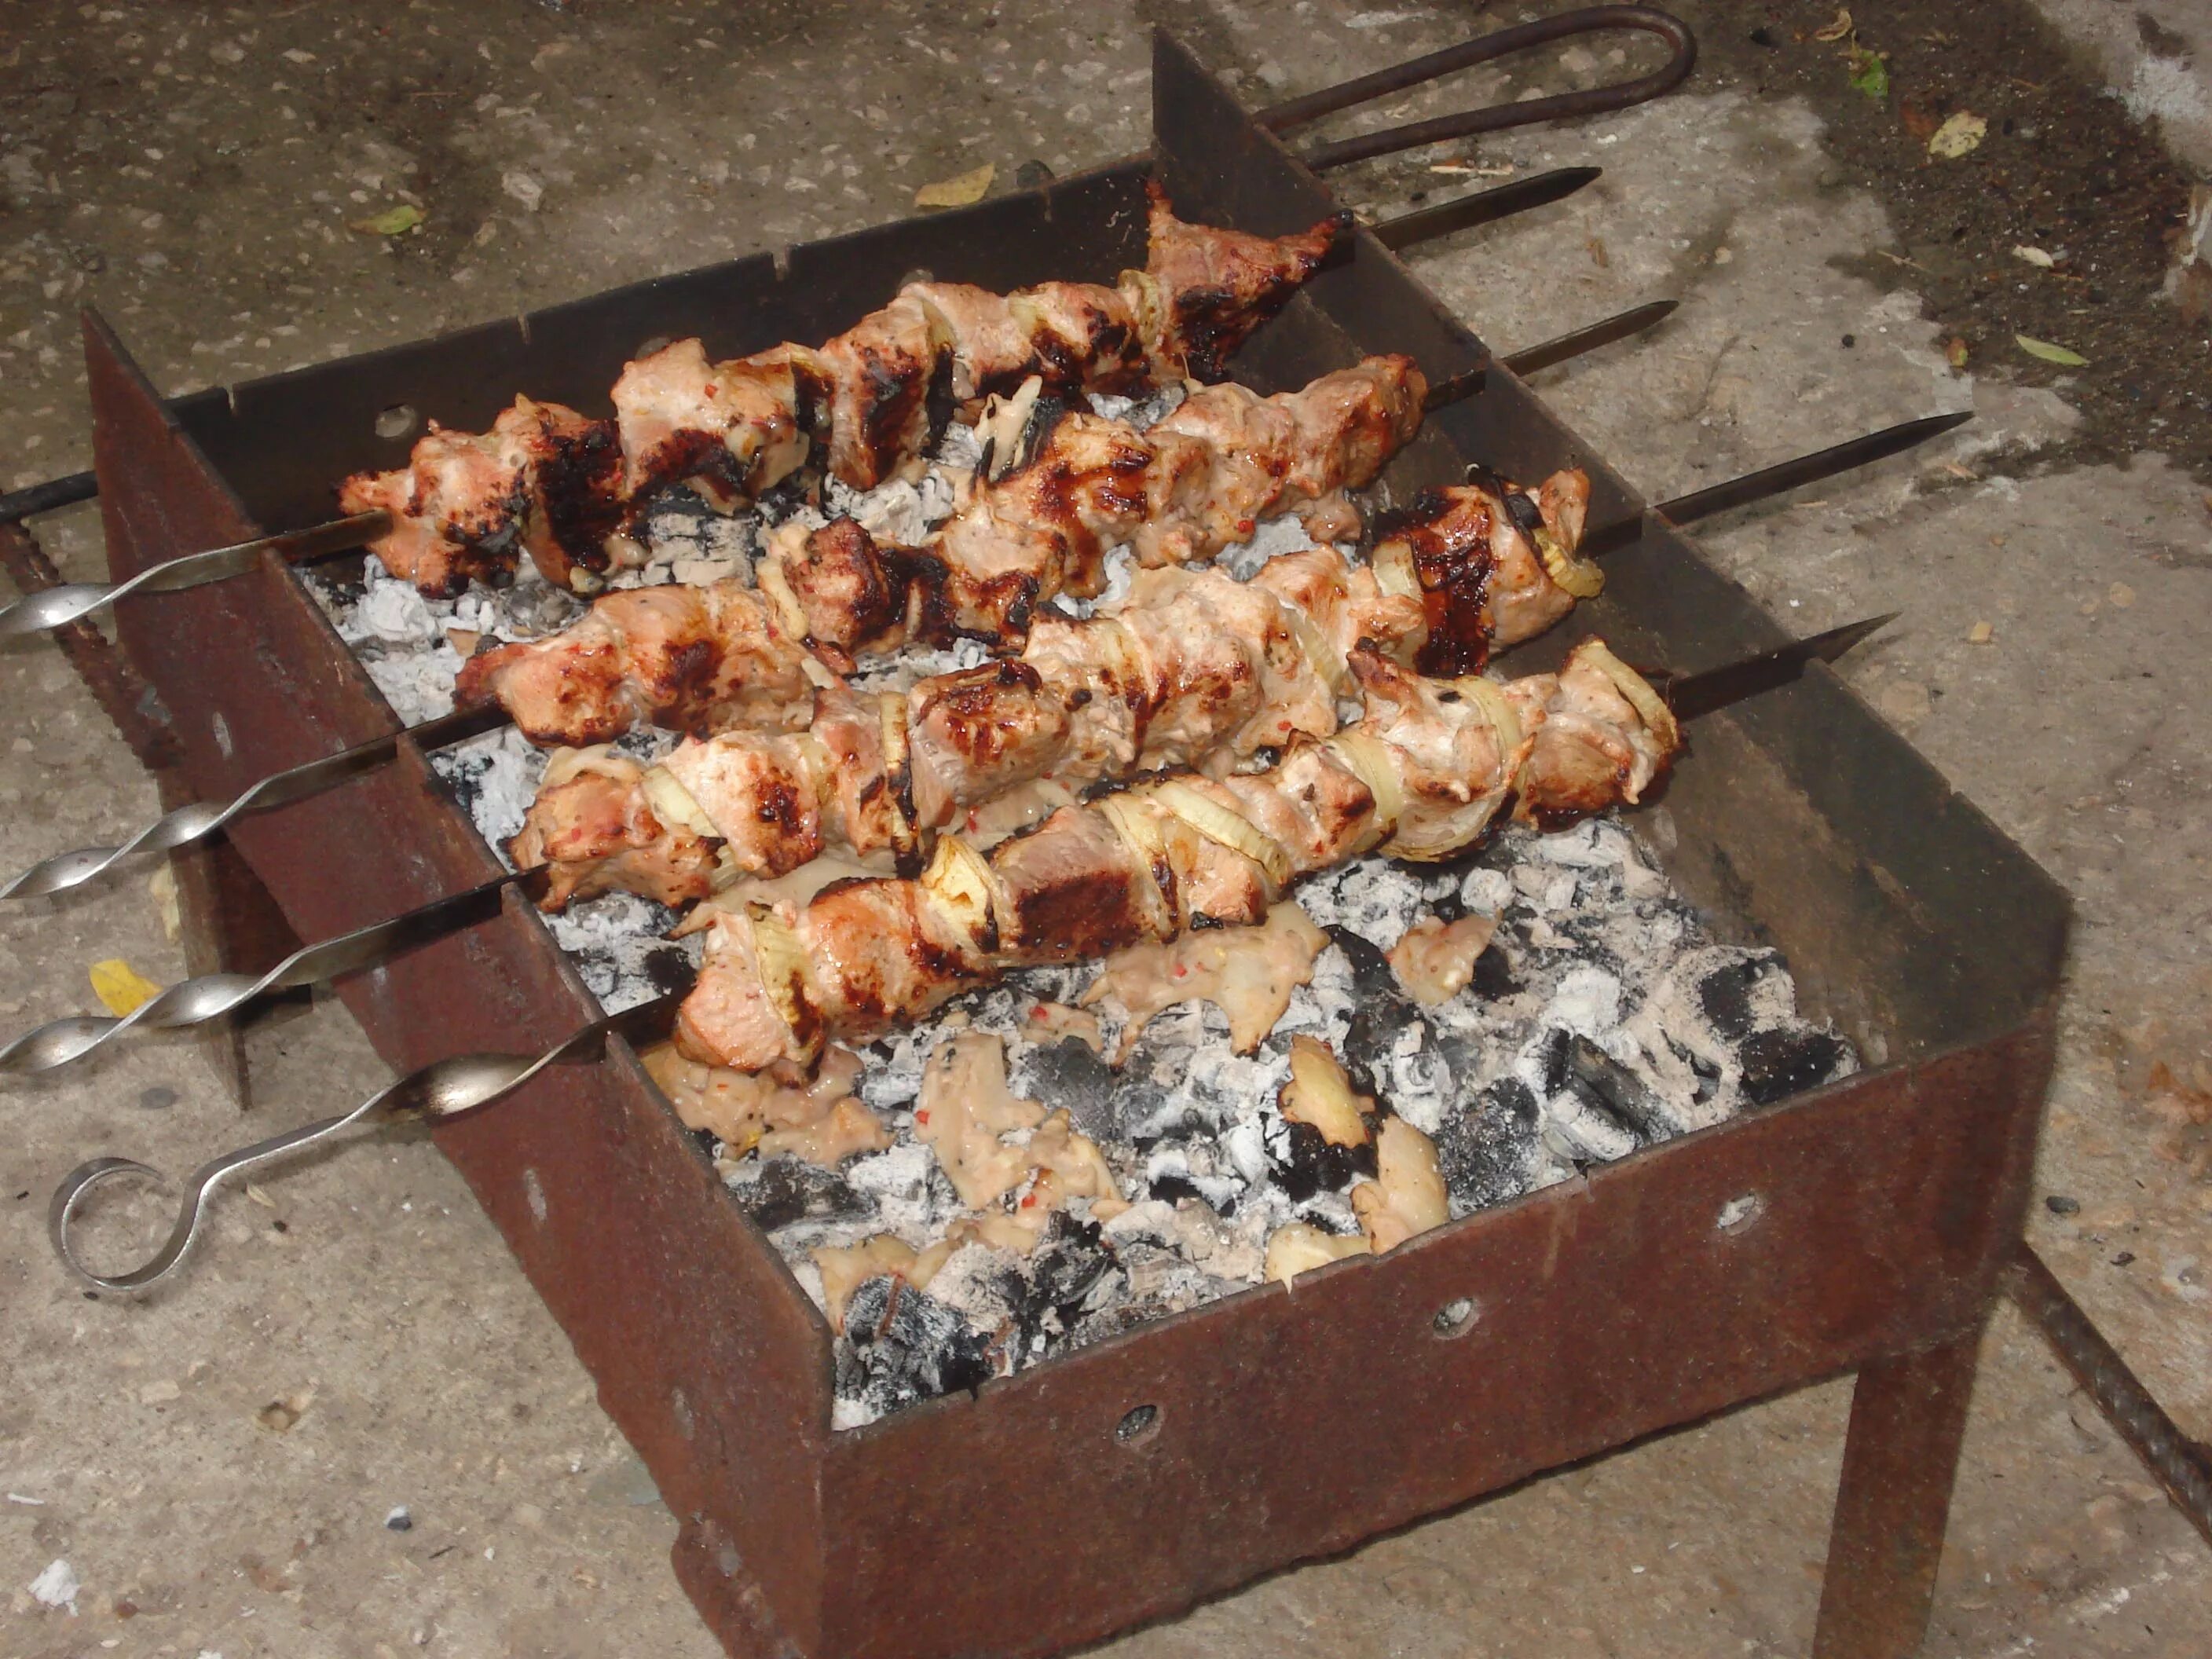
x: 1456, y: 1317
x: 533, y: 1194
x: 400, y: 420
x: 1139, y: 1424
x: 658, y: 342
x: 1739, y: 1213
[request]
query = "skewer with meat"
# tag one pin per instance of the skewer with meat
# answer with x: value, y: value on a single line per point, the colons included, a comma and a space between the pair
x: 677, y: 657
x: 1193, y: 669
x: 874, y: 398
x: 1423, y: 776
x: 1177, y: 492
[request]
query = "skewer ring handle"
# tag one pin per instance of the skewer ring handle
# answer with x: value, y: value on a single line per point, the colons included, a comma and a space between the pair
x: 1485, y: 49
x: 437, y: 1091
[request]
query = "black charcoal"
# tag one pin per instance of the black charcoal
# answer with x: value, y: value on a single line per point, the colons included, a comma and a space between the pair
x: 1781, y: 1063
x: 901, y: 1345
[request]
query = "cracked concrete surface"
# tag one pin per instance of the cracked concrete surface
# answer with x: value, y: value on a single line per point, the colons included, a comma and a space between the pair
x: 217, y: 1465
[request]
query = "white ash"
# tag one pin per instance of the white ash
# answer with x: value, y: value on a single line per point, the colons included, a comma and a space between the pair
x: 1271, y: 539
x: 1140, y: 412
x: 1593, y: 946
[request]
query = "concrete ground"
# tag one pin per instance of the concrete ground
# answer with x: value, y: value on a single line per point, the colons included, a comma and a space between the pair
x: 220, y: 1466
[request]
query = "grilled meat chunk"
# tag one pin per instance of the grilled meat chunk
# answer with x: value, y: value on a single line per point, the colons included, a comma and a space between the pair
x: 689, y: 659
x: 544, y: 480
x: 595, y: 826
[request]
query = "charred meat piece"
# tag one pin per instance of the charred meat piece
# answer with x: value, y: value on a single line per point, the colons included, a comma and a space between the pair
x: 544, y: 480
x: 594, y: 824
x: 689, y: 659
x: 1206, y: 291
x: 1492, y: 566
x: 730, y: 430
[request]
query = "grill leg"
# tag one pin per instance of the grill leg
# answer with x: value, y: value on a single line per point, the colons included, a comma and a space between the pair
x: 1908, y: 1418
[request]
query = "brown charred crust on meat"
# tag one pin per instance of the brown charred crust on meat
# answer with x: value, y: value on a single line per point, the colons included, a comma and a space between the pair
x: 1011, y: 597
x: 1424, y: 509
x: 580, y: 476
x: 938, y: 405
x: 812, y: 409
x: 1087, y: 914
x: 805, y: 1021
x: 694, y: 453
x: 1006, y: 381
x: 1079, y: 698
x: 969, y: 705
x: 860, y: 589
x: 1454, y: 572
x: 476, y: 685
x: 1207, y: 325
x: 679, y: 698
x: 778, y: 805
x: 892, y: 392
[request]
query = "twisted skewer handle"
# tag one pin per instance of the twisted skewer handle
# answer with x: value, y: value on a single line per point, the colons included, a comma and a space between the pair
x: 199, y: 820
x: 210, y: 996
x: 56, y: 607
x: 444, y: 1089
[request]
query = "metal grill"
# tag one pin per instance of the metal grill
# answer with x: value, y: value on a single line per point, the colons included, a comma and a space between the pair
x: 1881, y: 1210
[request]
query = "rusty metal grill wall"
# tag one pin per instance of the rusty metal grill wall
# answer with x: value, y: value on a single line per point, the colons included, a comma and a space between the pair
x: 1015, y: 1521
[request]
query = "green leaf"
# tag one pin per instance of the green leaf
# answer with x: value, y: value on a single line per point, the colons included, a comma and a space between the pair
x: 1869, y: 73
x: 2050, y: 353
x: 393, y: 221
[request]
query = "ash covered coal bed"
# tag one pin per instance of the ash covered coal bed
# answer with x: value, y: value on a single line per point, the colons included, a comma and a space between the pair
x: 1592, y: 1013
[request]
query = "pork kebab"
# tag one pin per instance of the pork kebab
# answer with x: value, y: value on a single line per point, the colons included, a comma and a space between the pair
x: 1193, y: 669
x: 699, y: 659
x: 1423, y: 776
x: 568, y: 489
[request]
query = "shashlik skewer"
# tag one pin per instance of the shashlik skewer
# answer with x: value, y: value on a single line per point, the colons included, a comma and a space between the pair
x: 197, y: 821
x: 1423, y: 776
x: 1193, y: 669
x: 700, y: 659
x: 564, y: 488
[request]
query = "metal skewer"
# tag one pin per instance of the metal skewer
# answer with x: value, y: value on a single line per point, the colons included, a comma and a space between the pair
x: 210, y: 996
x: 201, y: 819
x: 441, y: 1090
x: 196, y: 822
x: 56, y: 607
x: 467, y: 1082
x: 1778, y: 479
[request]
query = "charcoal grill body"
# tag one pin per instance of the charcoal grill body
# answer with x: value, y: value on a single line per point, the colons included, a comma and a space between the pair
x: 1017, y: 1521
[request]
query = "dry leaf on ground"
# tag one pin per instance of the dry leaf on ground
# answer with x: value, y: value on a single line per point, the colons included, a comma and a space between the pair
x: 963, y: 190
x: 2050, y: 353
x: 1961, y: 133
x: 1837, y: 30
x: 121, y: 988
x: 2035, y: 255
x: 393, y: 221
